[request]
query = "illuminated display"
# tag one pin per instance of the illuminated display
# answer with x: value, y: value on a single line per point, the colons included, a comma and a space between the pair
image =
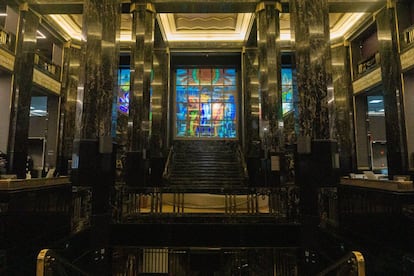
x: 124, y: 83
x: 287, y: 90
x: 206, y: 102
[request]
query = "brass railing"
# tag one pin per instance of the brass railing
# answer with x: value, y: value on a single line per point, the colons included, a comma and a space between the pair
x: 7, y: 40
x: 281, y: 203
x: 243, y: 162
x: 81, y: 208
x: 47, y: 66
x: 168, y: 164
x: 49, y: 263
x: 367, y: 64
x: 409, y: 35
x: 352, y: 264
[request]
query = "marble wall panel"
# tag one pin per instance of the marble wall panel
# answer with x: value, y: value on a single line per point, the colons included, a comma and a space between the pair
x: 142, y: 58
x: 251, y: 101
x: 101, y: 50
x: 268, y: 33
x: 391, y: 83
x: 22, y: 86
x: 342, y: 88
x: 310, y: 27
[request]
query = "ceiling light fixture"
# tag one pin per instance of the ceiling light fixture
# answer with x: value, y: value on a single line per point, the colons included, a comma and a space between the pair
x: 40, y: 35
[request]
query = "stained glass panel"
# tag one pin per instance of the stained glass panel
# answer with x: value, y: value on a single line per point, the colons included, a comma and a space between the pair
x: 206, y: 102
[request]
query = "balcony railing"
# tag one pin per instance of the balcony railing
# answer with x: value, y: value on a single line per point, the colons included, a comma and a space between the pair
x: 352, y: 264
x: 7, y: 40
x: 82, y: 208
x: 50, y: 263
x: 137, y: 204
x: 409, y: 35
x: 47, y: 66
x: 368, y: 64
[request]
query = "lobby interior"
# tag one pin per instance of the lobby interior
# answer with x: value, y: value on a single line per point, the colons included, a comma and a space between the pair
x: 240, y: 137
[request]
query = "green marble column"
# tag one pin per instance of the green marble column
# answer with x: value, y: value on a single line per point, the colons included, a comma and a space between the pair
x: 139, y: 120
x: 342, y: 86
x: 97, y: 85
x: 310, y: 26
x: 313, y: 162
x: 71, y: 66
x: 252, y: 114
x: 100, y: 65
x: 142, y: 57
x: 268, y: 34
x: 252, y: 101
x: 22, y: 86
x: 391, y: 82
x: 159, y: 115
x: 97, y: 89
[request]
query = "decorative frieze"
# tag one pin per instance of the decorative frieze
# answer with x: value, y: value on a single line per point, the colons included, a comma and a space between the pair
x: 6, y: 60
x: 45, y: 81
x: 407, y: 59
x: 367, y: 81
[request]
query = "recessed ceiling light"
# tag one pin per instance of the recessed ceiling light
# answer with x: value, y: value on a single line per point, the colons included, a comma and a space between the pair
x: 375, y: 101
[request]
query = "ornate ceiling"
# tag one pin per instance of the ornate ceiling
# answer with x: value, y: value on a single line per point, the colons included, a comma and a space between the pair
x: 212, y: 20
x: 205, y: 26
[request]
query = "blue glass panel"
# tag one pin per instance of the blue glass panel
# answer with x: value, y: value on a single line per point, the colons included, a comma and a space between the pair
x: 217, y: 94
x: 181, y: 128
x: 205, y: 96
x: 230, y: 111
x: 193, y: 94
x: 287, y: 93
x: 286, y: 76
x: 205, y: 130
x: 181, y: 94
x: 205, y: 112
x: 182, y: 77
x: 229, y: 76
x: 124, y: 79
x: 181, y: 111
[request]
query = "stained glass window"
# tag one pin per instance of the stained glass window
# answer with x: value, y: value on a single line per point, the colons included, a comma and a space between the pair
x: 124, y: 82
x: 287, y: 90
x: 206, y: 102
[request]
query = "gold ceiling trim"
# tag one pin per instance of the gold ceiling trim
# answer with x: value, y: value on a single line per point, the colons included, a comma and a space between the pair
x: 213, y: 33
x: 171, y: 33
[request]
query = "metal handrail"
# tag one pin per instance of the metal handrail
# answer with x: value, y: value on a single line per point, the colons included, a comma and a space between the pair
x: 353, y: 258
x: 243, y: 161
x: 7, y: 39
x: 47, y: 259
x: 167, y: 168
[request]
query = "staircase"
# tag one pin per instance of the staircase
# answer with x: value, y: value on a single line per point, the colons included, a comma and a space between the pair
x: 207, y: 164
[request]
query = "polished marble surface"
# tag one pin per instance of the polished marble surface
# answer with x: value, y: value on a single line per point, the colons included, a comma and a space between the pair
x: 392, y: 89
x: 22, y: 87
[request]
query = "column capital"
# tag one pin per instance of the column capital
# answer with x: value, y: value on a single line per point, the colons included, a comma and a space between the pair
x: 24, y: 6
x: 148, y: 6
x: 391, y: 4
x: 261, y: 5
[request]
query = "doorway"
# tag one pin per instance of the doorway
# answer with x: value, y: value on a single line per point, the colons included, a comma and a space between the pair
x: 371, y: 140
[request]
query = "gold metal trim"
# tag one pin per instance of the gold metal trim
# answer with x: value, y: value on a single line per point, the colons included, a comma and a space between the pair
x: 151, y: 8
x: 391, y: 4
x: 262, y: 5
x: 24, y: 7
